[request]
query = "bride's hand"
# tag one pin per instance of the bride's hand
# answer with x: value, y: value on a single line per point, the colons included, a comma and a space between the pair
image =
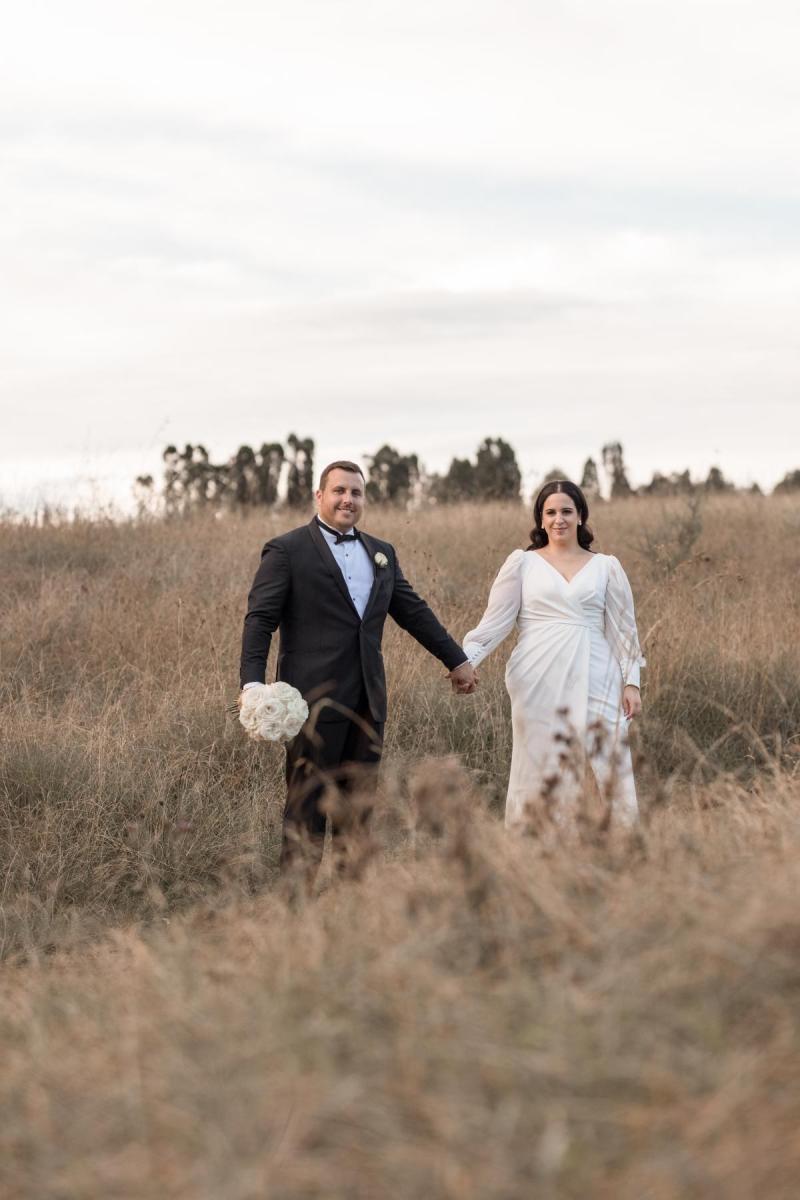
x: 631, y: 702
x: 464, y: 679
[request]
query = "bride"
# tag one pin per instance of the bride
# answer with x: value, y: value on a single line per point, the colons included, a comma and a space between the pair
x: 573, y: 676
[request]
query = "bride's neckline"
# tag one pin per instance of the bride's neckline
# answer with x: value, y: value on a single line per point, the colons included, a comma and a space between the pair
x: 560, y: 573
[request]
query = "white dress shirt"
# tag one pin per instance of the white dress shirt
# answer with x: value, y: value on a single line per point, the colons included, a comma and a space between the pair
x: 356, y: 566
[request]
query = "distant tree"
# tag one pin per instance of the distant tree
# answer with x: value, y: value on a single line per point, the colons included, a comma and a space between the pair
x: 789, y: 483
x: 716, y: 481
x: 590, y: 481
x: 241, y: 478
x: 614, y: 464
x: 301, y: 471
x: 392, y: 476
x: 659, y: 485
x: 247, y: 479
x: 199, y: 476
x: 494, y: 475
x: 458, y: 484
x: 268, y: 467
x: 173, y: 480
x: 676, y: 484
x: 497, y: 476
x: 682, y: 482
x: 552, y: 474
x: 144, y: 493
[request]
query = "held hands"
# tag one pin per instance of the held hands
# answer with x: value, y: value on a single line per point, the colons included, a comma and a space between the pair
x: 464, y: 679
x: 631, y: 702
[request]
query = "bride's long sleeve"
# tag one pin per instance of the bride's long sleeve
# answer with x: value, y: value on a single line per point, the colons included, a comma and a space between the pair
x: 501, y: 613
x: 621, y: 624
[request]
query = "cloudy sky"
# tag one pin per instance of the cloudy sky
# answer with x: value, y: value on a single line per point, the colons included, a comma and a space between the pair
x: 415, y: 222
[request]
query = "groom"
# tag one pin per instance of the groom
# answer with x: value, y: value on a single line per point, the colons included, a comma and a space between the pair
x: 329, y: 587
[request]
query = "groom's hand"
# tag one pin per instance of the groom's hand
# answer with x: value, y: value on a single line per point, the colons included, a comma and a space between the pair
x: 464, y: 679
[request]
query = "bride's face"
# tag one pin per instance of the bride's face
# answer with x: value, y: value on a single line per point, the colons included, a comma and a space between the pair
x: 560, y: 520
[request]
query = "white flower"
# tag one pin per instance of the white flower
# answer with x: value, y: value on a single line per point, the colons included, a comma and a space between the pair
x: 274, y: 712
x: 381, y: 560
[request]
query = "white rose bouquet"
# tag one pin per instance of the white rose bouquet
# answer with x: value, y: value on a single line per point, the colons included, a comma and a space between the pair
x: 273, y: 712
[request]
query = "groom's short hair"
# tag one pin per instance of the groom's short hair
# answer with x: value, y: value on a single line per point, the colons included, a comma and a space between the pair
x: 341, y: 464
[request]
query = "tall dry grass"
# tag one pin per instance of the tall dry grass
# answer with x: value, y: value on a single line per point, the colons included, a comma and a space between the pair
x: 476, y: 1015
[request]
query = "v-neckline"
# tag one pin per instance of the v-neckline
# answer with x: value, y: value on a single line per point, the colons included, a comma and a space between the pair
x: 564, y: 579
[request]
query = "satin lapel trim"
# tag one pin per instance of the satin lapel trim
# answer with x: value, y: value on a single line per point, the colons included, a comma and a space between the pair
x: 331, y: 564
x: 369, y: 546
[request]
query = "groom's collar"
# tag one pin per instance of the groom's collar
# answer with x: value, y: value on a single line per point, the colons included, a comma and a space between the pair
x: 336, y: 534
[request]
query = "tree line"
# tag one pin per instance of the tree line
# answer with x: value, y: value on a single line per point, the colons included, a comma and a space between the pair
x: 285, y: 475
x: 251, y: 478
x: 280, y: 474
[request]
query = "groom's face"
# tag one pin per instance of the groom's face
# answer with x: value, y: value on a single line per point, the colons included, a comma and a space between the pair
x: 341, y: 501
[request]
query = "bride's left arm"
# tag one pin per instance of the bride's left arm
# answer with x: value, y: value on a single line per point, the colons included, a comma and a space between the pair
x: 620, y: 626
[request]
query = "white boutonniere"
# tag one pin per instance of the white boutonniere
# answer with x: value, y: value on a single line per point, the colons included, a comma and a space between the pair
x: 381, y: 560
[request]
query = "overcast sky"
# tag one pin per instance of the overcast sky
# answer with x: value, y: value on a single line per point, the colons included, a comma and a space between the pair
x: 414, y: 222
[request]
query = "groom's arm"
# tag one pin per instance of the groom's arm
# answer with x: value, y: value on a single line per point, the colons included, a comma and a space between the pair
x: 264, y: 610
x: 412, y: 613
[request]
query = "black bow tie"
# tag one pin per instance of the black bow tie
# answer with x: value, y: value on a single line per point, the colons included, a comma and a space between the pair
x: 340, y: 537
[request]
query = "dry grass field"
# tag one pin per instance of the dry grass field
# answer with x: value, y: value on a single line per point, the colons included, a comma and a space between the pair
x: 469, y: 1015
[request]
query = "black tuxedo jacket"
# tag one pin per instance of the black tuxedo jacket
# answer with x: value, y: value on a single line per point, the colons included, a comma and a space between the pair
x: 326, y: 649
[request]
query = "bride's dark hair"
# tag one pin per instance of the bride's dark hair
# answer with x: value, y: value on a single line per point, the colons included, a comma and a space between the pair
x: 538, y: 536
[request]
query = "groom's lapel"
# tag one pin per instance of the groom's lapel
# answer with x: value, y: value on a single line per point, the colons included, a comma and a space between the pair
x: 371, y: 550
x: 331, y: 565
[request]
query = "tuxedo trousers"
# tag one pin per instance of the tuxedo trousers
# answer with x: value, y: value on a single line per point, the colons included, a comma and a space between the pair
x: 330, y: 771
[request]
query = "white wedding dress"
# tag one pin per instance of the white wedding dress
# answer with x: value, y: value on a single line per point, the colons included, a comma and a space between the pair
x: 577, y: 646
